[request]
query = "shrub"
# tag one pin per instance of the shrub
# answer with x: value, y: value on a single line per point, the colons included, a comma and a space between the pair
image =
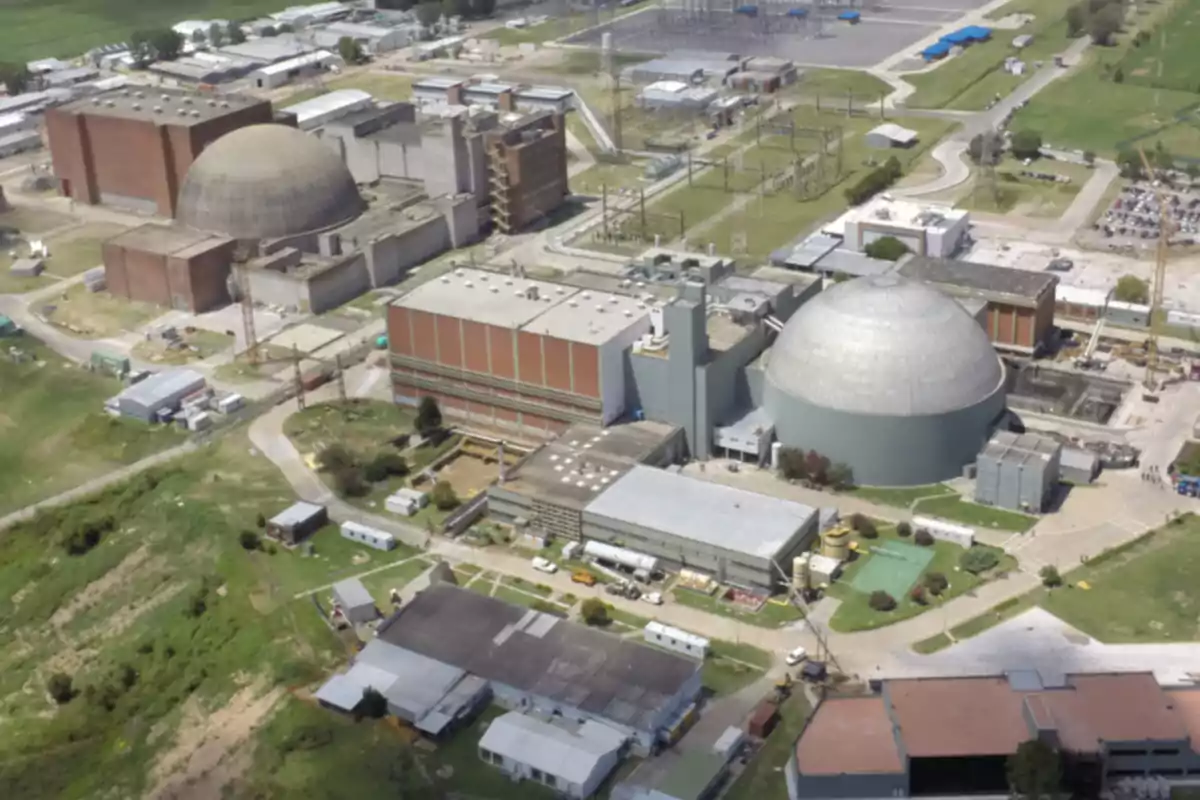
x: 923, y: 538
x: 594, y: 612
x: 384, y: 466
x: 60, y: 688
x: 918, y: 595
x: 874, y: 182
x: 348, y: 482
x: 886, y: 248
x: 1132, y: 289
x: 881, y: 601
x: 249, y: 540
x: 936, y: 583
x: 334, y: 458
x: 1050, y: 577
x: 868, y: 530
x: 373, y: 704
x: 791, y: 464
x: 1027, y: 144
x: 978, y: 559
x: 260, y: 521
x: 856, y: 521
x: 443, y: 496
x: 903, y: 529
x: 841, y: 476
x: 429, y: 416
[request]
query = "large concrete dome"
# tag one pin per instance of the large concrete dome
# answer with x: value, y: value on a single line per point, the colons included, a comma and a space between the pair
x: 887, y: 375
x: 267, y: 181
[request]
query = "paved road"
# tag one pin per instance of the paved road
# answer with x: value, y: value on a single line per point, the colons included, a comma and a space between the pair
x: 950, y: 154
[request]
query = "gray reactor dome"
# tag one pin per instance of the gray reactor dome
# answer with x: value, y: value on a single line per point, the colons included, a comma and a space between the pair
x: 886, y: 375
x: 266, y: 182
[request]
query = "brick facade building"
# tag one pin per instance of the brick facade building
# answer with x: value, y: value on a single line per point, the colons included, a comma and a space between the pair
x: 170, y: 266
x: 132, y: 148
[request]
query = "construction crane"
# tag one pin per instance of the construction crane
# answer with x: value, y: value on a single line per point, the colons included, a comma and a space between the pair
x: 824, y: 653
x: 1160, y: 277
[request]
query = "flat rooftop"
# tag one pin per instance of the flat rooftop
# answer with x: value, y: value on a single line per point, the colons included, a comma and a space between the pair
x: 541, y: 307
x: 712, y: 513
x: 1012, y: 447
x: 957, y: 717
x: 982, y: 279
x: 882, y: 210
x: 586, y: 459
x: 823, y: 748
x: 618, y: 679
x: 168, y: 240
x: 167, y: 106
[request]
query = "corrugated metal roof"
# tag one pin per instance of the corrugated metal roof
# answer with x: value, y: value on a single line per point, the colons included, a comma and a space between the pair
x: 419, y: 683
x: 161, y: 385
x: 572, y: 755
x: 340, y: 691
x: 352, y: 594
x: 328, y: 103
x: 296, y: 514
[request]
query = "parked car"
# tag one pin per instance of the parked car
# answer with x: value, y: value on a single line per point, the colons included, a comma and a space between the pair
x: 584, y: 577
x: 653, y: 598
x: 544, y: 565
x: 796, y: 656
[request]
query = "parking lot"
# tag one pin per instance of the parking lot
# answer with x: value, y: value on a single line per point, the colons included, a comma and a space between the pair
x: 1135, y: 217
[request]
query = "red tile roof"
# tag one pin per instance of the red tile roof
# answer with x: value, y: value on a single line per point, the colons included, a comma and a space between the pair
x: 946, y: 717
x: 849, y: 735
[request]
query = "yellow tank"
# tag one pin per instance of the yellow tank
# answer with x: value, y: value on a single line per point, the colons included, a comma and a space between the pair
x: 835, y: 543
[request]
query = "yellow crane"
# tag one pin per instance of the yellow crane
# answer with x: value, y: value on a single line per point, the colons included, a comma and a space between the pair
x: 1160, y: 276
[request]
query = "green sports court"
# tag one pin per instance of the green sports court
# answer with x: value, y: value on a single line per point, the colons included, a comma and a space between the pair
x: 892, y: 567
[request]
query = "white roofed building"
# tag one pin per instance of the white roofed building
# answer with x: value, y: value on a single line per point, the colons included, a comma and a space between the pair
x: 572, y: 759
x: 928, y: 230
x: 314, y: 113
x: 890, y: 134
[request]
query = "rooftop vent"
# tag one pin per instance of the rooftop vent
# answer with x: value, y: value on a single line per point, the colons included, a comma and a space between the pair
x: 495, y: 290
x: 612, y: 301
x: 599, y: 309
x: 445, y: 280
x: 224, y: 104
x: 139, y: 95
x: 469, y: 285
x: 110, y: 104
x: 560, y: 290
x: 587, y: 295
x: 187, y: 101
x: 572, y: 304
x: 212, y: 103
x: 137, y: 106
x: 508, y: 281
x: 459, y: 272
x: 166, y: 98
x: 518, y: 293
x: 96, y: 101
x: 158, y: 109
x: 628, y: 313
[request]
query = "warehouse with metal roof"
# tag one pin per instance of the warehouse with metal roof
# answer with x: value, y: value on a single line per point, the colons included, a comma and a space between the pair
x: 741, y: 537
x: 571, y: 758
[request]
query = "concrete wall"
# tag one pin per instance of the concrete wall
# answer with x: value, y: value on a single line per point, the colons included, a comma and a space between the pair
x: 389, y: 257
x: 315, y: 293
x: 1024, y: 486
x: 832, y: 787
x: 196, y: 284
x: 886, y: 450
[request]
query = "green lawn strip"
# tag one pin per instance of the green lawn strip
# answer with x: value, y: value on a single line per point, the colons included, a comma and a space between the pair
x: 740, y: 651
x: 520, y: 584
x: 554, y: 28
x: 771, y: 615
x: 380, y: 584
x: 365, y: 427
x: 836, y: 84
x: 959, y: 510
x: 933, y: 644
x: 516, y: 597
x: 763, y: 777
x: 1167, y: 59
x: 721, y: 676
x: 855, y: 614
x: 901, y: 497
x: 54, y: 434
x: 631, y: 620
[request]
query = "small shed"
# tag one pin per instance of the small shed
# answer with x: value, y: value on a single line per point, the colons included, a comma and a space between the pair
x: 406, y: 502
x: 297, y: 522
x: 763, y: 720
x: 355, y: 601
x: 695, y: 775
x: 1022, y: 41
x: 889, y: 135
x: 27, y: 267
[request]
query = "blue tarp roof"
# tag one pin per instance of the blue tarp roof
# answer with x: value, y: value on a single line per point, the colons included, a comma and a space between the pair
x: 849, y: 15
x: 936, y: 50
x: 748, y: 10
x: 978, y: 31
x: 971, y: 33
x: 797, y: 12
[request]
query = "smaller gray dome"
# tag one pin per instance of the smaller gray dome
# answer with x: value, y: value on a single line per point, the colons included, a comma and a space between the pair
x: 267, y: 181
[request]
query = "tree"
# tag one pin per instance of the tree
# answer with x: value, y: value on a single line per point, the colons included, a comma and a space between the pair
x: 443, y: 496
x: 268, y: 31
x: 985, y: 146
x: 1192, y: 170
x: 216, y: 34
x: 249, y: 540
x: 61, y: 688
x: 978, y: 559
x: 350, y: 50
x: 348, y: 482
x: 429, y: 416
x: 428, y: 13
x: 881, y: 601
x: 841, y: 277
x: 1050, y: 577
x: 903, y: 529
x: 384, y: 466
x: 483, y: 8
x: 594, y: 612
x: 936, y: 583
x: 234, y: 33
x: 923, y: 538
x: 334, y: 457
x: 286, y: 27
x: 792, y: 464
x: 1118, y: 75
x: 1131, y: 289
x: 372, y: 706
x: 1076, y: 20
x: 199, y: 37
x: 817, y: 467
x: 864, y: 526
x: 15, y: 77
x: 261, y: 520
x: 1162, y: 158
x: 841, y: 477
x: 1027, y: 144
x: 886, y: 248
x: 1089, y: 157
x: 1130, y: 164
x: 456, y: 8
x: 917, y: 595
x: 395, y: 5
x: 1035, y: 771
x: 155, y: 44
x: 1106, y: 23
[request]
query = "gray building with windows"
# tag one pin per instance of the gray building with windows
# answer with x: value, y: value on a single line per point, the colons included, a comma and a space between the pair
x: 1018, y: 471
x: 741, y: 537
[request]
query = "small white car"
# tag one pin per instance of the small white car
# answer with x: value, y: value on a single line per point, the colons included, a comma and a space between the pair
x: 653, y: 598
x: 796, y: 656
x: 544, y: 565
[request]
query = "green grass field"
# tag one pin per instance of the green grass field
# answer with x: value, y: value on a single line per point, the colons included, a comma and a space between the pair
x: 1026, y: 196
x: 69, y: 27
x: 379, y: 85
x: 1168, y: 57
x: 53, y: 433
x: 901, y: 497
x: 360, y: 425
x: 959, y: 510
x: 775, y: 613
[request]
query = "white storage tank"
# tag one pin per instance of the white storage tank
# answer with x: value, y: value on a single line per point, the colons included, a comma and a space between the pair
x: 942, y: 530
x: 620, y: 555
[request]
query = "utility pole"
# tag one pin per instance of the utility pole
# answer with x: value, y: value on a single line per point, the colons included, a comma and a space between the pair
x: 604, y: 211
x: 689, y: 165
x: 298, y: 377
x: 341, y: 377
x: 642, y: 209
x: 725, y: 171
x: 849, y: 104
x: 881, y: 98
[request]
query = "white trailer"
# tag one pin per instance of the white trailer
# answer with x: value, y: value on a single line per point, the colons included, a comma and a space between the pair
x: 371, y: 537
x: 676, y: 639
x: 942, y: 530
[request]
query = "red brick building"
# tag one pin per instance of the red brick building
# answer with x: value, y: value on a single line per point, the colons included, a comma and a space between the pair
x: 169, y: 265
x: 132, y: 147
x: 527, y: 170
x: 514, y: 351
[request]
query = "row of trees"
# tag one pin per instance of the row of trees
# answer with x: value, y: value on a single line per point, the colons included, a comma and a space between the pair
x: 218, y: 34
x: 1100, y: 19
x: 986, y: 149
x: 874, y: 181
x: 468, y: 9
x: 814, y: 468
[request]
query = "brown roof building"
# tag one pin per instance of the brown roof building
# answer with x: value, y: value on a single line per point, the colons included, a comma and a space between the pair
x: 132, y: 147
x: 955, y: 735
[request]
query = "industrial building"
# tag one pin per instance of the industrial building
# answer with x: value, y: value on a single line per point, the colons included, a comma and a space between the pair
x: 571, y: 758
x: 888, y: 376
x: 303, y: 236
x: 938, y: 231
x: 157, y: 396
x: 685, y: 67
x: 1018, y: 471
x: 281, y: 73
x: 1020, y: 303
x: 953, y: 736
x: 547, y: 490
x: 441, y: 90
x: 133, y: 147
x: 676, y: 96
x: 737, y: 536
x: 325, y: 108
x: 890, y: 135
x: 170, y: 266
x: 540, y: 664
x: 375, y: 40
